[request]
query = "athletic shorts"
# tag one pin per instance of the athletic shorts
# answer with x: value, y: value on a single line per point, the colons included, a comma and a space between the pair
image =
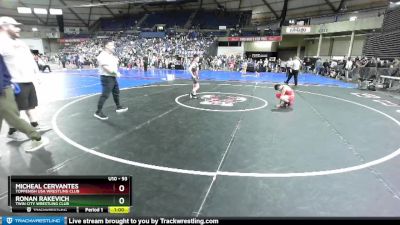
x: 27, y: 98
x: 195, y: 80
x: 289, y: 97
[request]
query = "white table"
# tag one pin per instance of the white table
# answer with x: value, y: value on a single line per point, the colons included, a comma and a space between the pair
x: 391, y: 79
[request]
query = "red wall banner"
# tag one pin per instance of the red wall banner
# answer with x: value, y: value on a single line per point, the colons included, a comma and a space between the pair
x: 266, y: 38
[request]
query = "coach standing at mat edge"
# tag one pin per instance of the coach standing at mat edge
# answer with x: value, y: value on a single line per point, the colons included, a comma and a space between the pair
x: 15, y: 55
x: 108, y: 70
x: 24, y: 72
x: 9, y: 111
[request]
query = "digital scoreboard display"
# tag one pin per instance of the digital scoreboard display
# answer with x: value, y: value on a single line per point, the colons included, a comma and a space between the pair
x: 75, y: 194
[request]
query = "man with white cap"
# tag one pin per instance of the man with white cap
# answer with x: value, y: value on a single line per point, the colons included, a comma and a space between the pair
x: 21, y: 66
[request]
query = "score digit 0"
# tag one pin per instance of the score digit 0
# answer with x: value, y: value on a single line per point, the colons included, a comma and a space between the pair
x: 121, y: 200
x: 121, y: 188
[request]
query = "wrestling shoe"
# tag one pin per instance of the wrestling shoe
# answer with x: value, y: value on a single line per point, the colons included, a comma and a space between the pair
x: 121, y: 109
x: 18, y: 136
x: 36, y: 145
x: 100, y: 116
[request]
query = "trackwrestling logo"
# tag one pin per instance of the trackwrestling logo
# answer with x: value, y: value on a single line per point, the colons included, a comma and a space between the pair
x: 221, y: 100
x: 33, y: 220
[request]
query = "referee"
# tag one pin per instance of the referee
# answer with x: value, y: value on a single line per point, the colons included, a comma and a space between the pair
x: 108, y: 70
x: 296, y: 66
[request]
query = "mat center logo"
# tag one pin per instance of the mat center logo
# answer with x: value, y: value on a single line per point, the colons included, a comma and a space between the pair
x: 221, y: 100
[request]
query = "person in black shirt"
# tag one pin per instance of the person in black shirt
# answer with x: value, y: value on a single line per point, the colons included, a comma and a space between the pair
x: 145, y: 63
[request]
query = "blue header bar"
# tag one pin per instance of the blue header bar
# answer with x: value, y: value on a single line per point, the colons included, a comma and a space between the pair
x: 32, y: 220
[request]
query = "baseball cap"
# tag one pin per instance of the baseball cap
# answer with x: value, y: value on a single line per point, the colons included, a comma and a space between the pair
x: 5, y: 20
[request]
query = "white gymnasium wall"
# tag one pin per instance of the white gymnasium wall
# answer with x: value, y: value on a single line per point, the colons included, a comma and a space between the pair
x: 51, y: 46
x: 340, y: 46
x: 260, y: 46
x: 34, y: 44
x: 358, y: 45
x: 231, y: 50
x: 312, y: 47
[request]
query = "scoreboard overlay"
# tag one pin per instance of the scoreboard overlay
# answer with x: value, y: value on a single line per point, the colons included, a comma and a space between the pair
x: 89, y: 194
